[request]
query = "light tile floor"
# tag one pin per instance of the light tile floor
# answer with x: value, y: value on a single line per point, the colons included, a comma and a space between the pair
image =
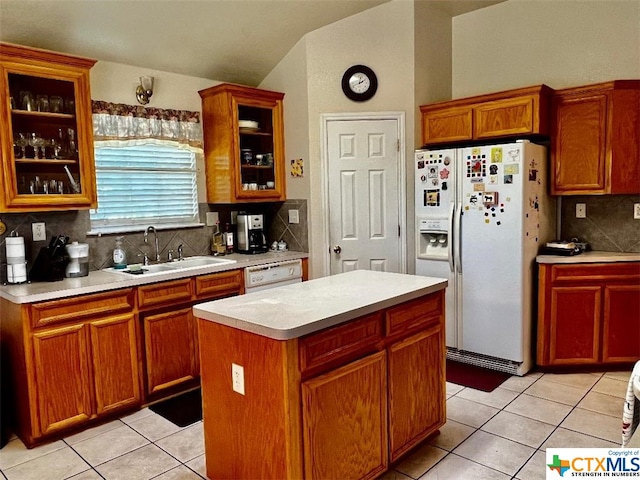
x: 498, y: 435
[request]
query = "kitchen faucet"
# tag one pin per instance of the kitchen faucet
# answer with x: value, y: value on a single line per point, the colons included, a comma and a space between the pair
x: 155, y: 234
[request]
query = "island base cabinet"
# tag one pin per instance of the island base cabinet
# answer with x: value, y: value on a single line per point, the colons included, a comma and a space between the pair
x: 416, y: 389
x: 256, y: 433
x: 345, y: 421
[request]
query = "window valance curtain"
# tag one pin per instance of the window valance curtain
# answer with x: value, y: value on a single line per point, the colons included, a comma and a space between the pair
x: 118, y: 123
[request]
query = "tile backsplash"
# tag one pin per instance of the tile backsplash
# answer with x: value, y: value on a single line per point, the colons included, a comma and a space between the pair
x: 609, y: 224
x: 195, y: 241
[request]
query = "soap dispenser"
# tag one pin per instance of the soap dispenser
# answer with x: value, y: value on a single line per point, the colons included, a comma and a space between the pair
x: 119, y: 255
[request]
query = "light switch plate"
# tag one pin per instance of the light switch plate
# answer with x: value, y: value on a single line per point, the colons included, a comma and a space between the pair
x: 636, y: 211
x: 294, y: 216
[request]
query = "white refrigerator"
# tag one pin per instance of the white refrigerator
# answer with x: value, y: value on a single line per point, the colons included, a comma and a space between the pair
x: 482, y: 214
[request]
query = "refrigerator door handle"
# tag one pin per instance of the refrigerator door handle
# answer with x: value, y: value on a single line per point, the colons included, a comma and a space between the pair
x: 451, y: 238
x: 458, y: 238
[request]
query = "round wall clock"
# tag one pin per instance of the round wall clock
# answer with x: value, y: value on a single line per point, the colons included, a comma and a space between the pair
x: 359, y: 83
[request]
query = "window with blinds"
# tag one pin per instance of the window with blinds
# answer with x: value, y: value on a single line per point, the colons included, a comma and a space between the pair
x: 144, y: 185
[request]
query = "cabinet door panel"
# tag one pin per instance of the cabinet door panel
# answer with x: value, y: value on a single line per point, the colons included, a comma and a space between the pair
x: 578, y: 144
x: 447, y: 125
x: 171, y: 349
x: 416, y: 389
x: 621, y: 324
x: 62, y: 377
x: 575, y: 325
x: 504, y: 117
x: 115, y: 364
x: 345, y: 421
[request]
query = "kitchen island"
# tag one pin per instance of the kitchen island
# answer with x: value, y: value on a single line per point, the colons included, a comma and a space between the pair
x: 333, y: 378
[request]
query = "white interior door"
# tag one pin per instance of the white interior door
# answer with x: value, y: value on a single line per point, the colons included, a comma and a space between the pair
x: 363, y: 184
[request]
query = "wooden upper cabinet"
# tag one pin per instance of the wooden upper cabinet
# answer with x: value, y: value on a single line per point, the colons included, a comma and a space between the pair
x: 595, y: 139
x: 524, y: 111
x: 46, y: 132
x: 243, y: 130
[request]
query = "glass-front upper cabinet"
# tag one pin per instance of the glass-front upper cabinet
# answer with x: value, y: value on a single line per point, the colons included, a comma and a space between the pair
x: 46, y: 131
x: 244, y: 144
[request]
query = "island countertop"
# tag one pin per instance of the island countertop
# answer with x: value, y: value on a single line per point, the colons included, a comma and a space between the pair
x: 292, y: 311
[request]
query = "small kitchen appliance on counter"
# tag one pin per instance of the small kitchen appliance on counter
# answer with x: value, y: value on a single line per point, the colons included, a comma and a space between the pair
x: 78, y: 265
x: 51, y: 262
x: 251, y: 237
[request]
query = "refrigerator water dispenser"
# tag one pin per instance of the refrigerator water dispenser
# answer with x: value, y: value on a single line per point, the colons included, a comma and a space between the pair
x: 433, y: 238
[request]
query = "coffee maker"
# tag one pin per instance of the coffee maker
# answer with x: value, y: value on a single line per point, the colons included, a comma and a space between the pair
x: 251, y: 237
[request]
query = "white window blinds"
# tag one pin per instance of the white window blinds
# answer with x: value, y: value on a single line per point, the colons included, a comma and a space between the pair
x: 144, y: 185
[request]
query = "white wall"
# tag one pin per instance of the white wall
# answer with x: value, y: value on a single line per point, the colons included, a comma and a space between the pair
x: 116, y: 83
x: 559, y: 43
x: 381, y: 38
x: 290, y: 76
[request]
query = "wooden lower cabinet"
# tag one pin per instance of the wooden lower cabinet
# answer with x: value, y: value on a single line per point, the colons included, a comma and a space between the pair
x: 345, y: 421
x: 171, y: 349
x: 416, y: 390
x: 63, y: 400
x: 83, y: 371
x: 621, y: 323
x: 343, y: 402
x: 588, y: 314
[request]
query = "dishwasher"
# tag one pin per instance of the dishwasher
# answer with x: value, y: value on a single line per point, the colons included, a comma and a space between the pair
x: 271, y: 275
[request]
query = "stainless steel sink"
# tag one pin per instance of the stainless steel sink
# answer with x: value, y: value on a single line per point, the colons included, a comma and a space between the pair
x: 186, y: 264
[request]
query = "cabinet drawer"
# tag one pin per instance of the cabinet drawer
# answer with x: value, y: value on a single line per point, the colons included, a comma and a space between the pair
x: 596, y: 272
x: 414, y: 315
x: 218, y: 284
x: 340, y: 343
x: 166, y: 293
x: 77, y: 309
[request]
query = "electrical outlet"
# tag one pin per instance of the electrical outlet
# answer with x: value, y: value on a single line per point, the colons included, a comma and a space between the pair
x: 39, y: 232
x: 636, y: 211
x: 294, y: 216
x: 237, y: 378
x: 581, y: 210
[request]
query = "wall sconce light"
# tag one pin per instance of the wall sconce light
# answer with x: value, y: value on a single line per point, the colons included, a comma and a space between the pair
x: 144, y: 90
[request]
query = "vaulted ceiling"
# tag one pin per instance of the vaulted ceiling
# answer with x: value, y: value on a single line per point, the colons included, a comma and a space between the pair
x: 227, y: 40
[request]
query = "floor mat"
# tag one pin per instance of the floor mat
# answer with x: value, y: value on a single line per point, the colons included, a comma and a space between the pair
x: 474, y: 377
x: 182, y: 410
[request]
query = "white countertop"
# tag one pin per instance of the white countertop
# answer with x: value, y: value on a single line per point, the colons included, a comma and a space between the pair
x: 102, y: 281
x: 292, y: 311
x: 590, y: 257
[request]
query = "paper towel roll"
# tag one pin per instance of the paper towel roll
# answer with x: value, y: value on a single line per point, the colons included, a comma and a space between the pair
x: 17, y: 273
x: 15, y: 250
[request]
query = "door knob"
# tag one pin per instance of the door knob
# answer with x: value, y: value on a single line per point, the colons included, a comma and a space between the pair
x: 337, y: 249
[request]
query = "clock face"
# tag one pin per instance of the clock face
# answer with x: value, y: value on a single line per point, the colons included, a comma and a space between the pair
x: 359, y: 83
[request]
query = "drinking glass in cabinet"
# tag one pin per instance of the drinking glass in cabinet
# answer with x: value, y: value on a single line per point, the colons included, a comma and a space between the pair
x: 21, y: 142
x: 56, y: 104
x: 69, y: 105
x: 27, y: 102
x: 42, y: 103
x: 37, y: 142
